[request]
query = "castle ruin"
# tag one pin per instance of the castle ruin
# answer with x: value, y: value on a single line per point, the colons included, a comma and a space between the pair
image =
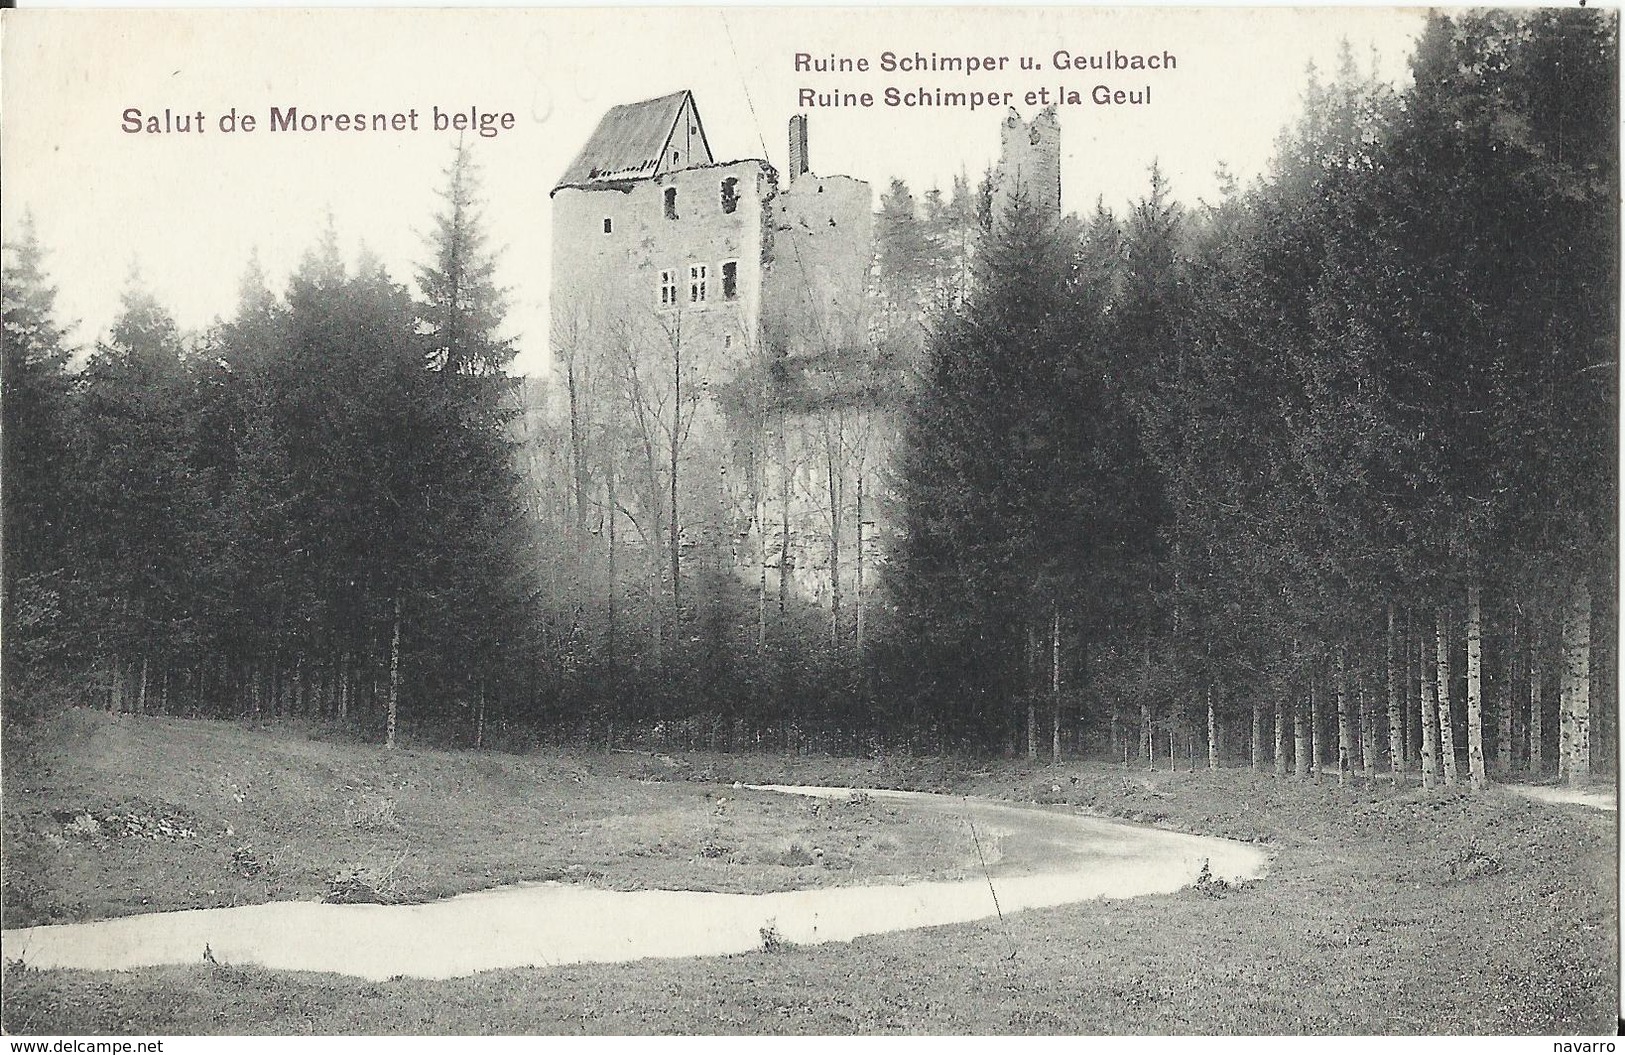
x: 722, y: 430
x: 1029, y: 164
x: 685, y: 291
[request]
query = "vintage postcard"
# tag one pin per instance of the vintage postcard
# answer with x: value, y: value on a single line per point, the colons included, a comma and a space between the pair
x: 810, y: 521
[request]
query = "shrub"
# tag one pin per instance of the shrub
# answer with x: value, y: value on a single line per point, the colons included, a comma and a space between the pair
x: 772, y: 940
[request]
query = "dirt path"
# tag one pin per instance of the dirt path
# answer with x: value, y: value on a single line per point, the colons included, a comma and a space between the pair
x: 1035, y: 858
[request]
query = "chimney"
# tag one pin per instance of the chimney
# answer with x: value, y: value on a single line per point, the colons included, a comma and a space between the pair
x: 798, y: 146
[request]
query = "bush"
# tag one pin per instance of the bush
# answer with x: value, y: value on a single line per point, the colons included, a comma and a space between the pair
x: 772, y: 940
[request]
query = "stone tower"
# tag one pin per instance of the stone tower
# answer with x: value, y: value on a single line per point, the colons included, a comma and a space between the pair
x: 1030, y: 164
x: 672, y: 266
x: 798, y: 147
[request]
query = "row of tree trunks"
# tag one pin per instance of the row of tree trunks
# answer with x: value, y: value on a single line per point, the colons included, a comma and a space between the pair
x: 271, y: 684
x: 1421, y: 716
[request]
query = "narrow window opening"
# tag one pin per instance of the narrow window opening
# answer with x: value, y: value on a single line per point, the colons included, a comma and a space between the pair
x: 696, y: 284
x: 674, y: 156
x: 608, y: 225
x: 730, y: 280
x: 730, y: 194
x: 671, y: 203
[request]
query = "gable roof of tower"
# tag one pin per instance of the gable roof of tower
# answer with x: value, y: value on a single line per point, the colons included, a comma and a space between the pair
x: 630, y: 141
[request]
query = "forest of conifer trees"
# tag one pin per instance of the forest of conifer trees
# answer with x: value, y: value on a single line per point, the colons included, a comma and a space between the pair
x: 299, y: 511
x: 1319, y: 474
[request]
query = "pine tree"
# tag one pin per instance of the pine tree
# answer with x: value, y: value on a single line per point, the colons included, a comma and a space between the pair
x: 476, y: 576
x: 141, y: 548
x: 38, y: 466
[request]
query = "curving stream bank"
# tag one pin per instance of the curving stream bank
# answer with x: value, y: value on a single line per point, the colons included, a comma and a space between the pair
x: 1035, y: 858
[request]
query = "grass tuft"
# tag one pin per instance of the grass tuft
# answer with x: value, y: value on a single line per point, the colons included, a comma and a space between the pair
x: 772, y: 940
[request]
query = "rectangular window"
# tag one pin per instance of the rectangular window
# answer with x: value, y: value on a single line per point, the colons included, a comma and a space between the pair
x: 730, y: 279
x: 696, y: 284
x: 671, y: 203
x: 608, y: 225
x: 730, y: 194
x: 668, y: 288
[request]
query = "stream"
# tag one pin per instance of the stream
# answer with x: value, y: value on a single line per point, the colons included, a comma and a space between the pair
x: 1031, y: 857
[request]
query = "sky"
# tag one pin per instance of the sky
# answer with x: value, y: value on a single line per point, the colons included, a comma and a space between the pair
x: 184, y: 211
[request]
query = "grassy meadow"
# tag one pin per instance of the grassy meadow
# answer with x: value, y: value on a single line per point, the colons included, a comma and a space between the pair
x: 1386, y: 910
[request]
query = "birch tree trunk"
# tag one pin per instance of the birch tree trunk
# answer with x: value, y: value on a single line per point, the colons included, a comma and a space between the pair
x: 1116, y: 732
x: 1300, y: 745
x: 1147, y: 735
x: 1368, y: 731
x: 1344, y: 745
x: 1475, y: 694
x: 1504, y: 735
x: 784, y: 518
x: 394, y: 678
x: 1032, y: 692
x: 613, y: 588
x: 1212, y: 732
x: 1314, y: 737
x: 1537, y: 707
x: 831, y: 477
x: 675, y: 525
x: 1565, y: 692
x: 344, y: 688
x: 1258, y: 736
x: 1429, y: 718
x: 1412, y: 653
x: 857, y: 568
x: 1055, y: 686
x: 1145, y: 708
x: 1396, y: 722
x: 1447, y: 727
x: 1280, y: 737
x: 1577, y: 675
x: 760, y: 513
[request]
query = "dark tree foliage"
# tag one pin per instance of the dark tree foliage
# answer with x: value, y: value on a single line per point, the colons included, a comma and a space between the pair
x: 35, y: 452
x: 1383, y: 375
x: 1020, y: 487
x: 275, y: 514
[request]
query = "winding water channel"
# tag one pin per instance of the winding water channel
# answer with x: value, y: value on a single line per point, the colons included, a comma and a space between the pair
x: 1035, y: 858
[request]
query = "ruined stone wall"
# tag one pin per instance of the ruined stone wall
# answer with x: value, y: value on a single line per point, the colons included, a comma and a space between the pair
x: 643, y: 359
x: 803, y: 255
x: 815, y: 311
x: 611, y: 280
x: 1029, y: 163
x: 816, y: 287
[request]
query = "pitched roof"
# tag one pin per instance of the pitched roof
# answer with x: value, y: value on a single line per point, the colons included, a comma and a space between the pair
x: 630, y: 141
